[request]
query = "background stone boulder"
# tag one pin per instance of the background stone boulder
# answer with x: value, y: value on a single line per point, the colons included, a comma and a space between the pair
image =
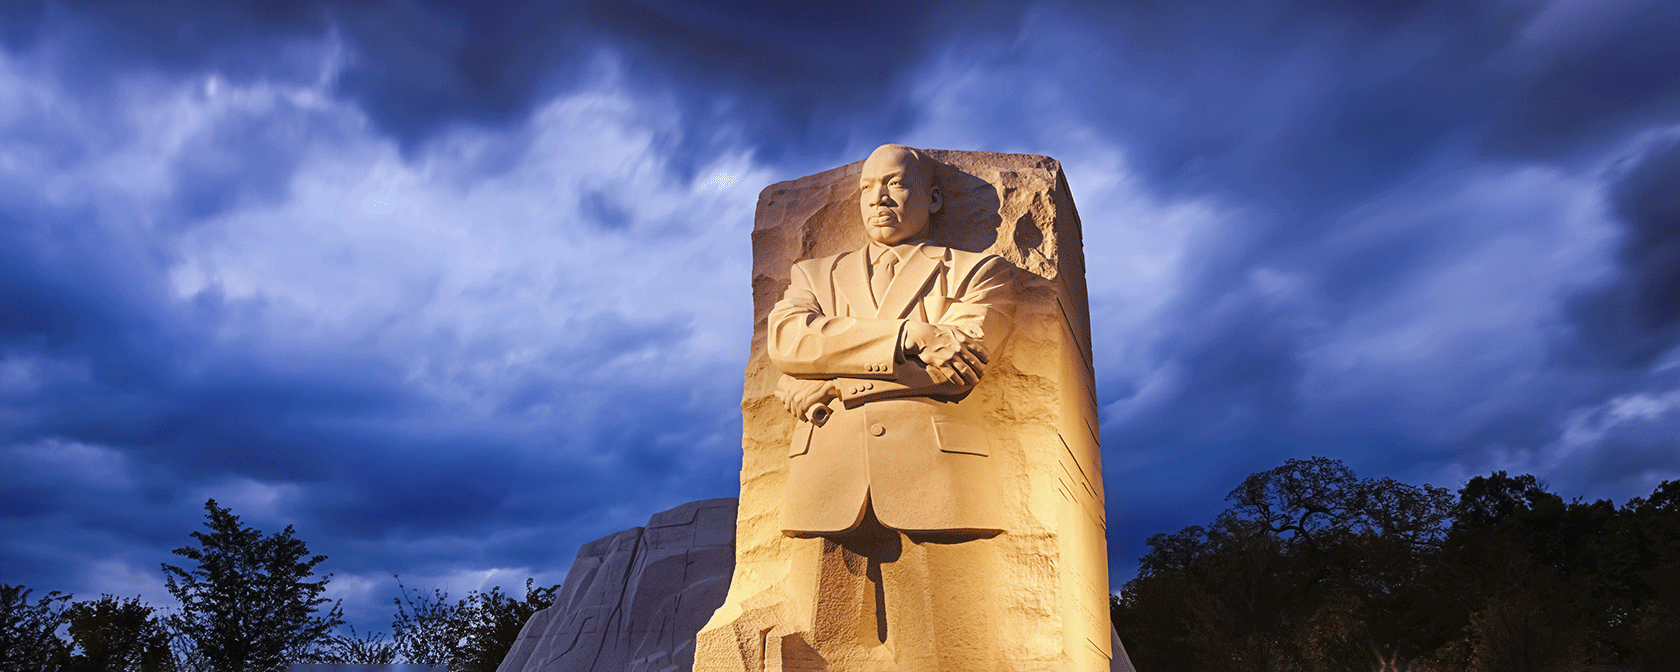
x: 633, y: 600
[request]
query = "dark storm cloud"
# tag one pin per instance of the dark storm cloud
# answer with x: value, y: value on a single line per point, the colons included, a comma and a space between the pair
x: 239, y: 162
x: 1336, y: 97
x: 113, y: 366
x: 416, y: 67
x: 1306, y: 109
x: 793, y: 74
x: 1589, y: 73
x: 96, y: 43
x: 1353, y: 153
x: 1312, y: 118
x: 1296, y: 104
x: 1635, y: 318
x: 1648, y: 201
x: 166, y: 398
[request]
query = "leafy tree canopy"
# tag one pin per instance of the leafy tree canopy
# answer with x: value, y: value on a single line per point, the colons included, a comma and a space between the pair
x: 249, y: 604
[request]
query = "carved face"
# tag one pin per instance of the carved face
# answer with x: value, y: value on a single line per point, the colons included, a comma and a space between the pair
x: 898, y: 195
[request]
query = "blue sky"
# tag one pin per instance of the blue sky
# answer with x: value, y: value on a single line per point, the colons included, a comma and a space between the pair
x: 400, y: 274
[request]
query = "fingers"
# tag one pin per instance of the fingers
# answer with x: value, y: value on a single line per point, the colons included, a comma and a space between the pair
x: 955, y: 357
x: 800, y: 403
x: 800, y: 396
x: 970, y: 345
x: 783, y: 394
x: 795, y: 395
x: 955, y: 370
x: 919, y: 337
x: 966, y: 369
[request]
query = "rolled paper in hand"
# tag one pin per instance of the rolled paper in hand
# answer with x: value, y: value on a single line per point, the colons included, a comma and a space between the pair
x: 818, y: 414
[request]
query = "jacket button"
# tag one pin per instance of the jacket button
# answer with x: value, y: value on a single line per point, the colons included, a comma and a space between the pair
x: 877, y: 430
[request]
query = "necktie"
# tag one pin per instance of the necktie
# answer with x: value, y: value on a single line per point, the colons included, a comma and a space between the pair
x: 883, y: 275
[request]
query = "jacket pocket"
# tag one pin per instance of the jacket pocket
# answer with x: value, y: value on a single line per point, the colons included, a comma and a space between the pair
x: 801, y: 442
x: 961, y: 437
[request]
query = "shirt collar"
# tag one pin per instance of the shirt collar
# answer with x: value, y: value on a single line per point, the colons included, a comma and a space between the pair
x: 876, y: 249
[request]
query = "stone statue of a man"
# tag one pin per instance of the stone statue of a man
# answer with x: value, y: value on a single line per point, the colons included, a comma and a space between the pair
x: 878, y: 349
x: 921, y: 475
x: 898, y: 333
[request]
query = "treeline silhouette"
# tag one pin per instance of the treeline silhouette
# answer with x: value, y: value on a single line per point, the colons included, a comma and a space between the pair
x: 250, y: 602
x: 1312, y: 568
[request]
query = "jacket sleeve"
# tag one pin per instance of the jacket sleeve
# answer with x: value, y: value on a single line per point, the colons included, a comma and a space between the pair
x: 984, y: 308
x: 804, y: 342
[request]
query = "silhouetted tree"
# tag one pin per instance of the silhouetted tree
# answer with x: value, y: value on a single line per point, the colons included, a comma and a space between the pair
x: 470, y: 635
x: 29, y: 640
x: 426, y: 629
x: 493, y: 622
x: 249, y: 605
x: 1655, y: 622
x: 1312, y: 568
x: 1489, y: 500
x: 118, y: 635
x: 353, y: 649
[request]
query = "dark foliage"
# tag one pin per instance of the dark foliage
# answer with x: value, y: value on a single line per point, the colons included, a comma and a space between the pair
x: 354, y: 649
x: 118, y: 635
x: 249, y: 605
x: 1313, y: 568
x: 29, y: 640
x: 471, y: 635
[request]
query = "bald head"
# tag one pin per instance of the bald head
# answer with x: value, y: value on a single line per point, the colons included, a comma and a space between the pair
x: 898, y: 195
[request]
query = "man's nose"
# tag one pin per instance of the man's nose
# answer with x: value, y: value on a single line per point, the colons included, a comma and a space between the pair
x: 881, y: 197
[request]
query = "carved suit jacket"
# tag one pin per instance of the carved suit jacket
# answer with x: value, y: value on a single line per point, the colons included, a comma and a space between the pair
x: 910, y: 447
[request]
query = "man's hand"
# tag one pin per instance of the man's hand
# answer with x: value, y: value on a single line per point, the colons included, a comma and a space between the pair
x: 800, y: 396
x: 950, y: 354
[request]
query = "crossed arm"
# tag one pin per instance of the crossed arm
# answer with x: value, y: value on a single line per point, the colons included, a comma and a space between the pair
x: 858, y: 360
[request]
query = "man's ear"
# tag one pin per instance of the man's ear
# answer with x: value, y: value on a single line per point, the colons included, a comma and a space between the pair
x: 936, y: 200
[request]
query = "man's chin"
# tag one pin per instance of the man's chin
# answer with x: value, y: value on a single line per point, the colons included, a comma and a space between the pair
x: 885, y: 235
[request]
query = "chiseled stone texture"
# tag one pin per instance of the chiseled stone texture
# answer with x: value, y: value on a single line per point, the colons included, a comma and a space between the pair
x: 1050, y: 570
x: 633, y: 600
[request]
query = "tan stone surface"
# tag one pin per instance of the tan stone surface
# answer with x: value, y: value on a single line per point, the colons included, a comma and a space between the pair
x: 1035, y: 596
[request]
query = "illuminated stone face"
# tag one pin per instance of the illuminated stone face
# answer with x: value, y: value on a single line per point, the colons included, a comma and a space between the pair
x: 896, y: 194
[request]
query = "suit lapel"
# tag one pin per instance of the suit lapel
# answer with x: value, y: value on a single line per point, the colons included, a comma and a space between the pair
x: 851, y: 281
x: 911, y: 280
